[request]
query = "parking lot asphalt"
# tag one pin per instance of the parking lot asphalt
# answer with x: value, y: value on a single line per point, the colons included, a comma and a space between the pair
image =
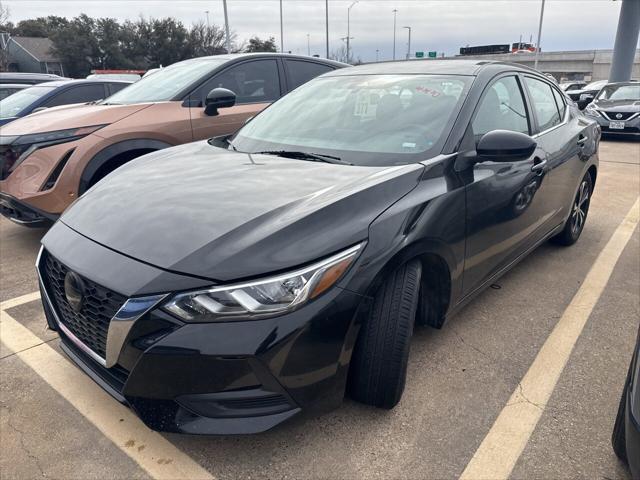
x: 56, y: 424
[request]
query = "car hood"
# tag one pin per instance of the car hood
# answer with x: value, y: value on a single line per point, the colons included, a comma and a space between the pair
x: 618, y: 105
x: 70, y: 116
x: 208, y: 212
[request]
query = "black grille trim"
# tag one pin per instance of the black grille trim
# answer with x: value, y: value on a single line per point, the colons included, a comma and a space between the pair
x: 91, y: 324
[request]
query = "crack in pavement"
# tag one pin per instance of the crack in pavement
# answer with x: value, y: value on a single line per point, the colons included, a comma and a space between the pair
x: 28, y: 348
x: 24, y: 447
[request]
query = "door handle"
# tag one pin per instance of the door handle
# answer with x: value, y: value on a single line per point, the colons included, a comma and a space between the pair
x: 539, y: 166
x: 582, y: 139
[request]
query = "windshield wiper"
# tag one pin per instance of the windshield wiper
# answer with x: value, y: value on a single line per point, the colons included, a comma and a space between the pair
x: 314, y: 157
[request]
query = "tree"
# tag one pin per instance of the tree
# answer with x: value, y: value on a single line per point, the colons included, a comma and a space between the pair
x: 258, y: 45
x: 206, y: 40
x: 5, y: 29
x: 76, y: 46
x: 340, y: 55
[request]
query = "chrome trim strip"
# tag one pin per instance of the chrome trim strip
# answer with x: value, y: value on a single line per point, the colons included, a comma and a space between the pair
x: 122, y: 322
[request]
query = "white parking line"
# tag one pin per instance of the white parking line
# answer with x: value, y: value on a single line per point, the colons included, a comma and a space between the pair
x: 509, y: 435
x: 156, y: 455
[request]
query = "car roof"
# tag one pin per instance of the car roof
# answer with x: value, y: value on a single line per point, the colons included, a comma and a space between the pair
x: 60, y: 83
x: 15, y: 85
x: 236, y: 56
x: 433, y: 67
x: 26, y: 75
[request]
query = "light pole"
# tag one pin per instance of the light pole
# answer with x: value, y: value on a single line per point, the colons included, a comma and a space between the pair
x: 535, y: 62
x: 395, y: 13
x: 349, y: 27
x: 409, y: 44
x: 308, y: 45
x: 326, y: 11
x: 226, y: 25
x: 377, y: 55
x: 207, y: 12
x: 281, y: 30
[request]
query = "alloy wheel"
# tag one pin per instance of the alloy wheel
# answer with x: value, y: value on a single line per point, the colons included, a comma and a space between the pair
x: 580, y: 208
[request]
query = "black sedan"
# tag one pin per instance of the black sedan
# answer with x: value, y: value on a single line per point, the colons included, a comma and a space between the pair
x: 583, y: 96
x: 55, y: 94
x: 626, y: 430
x: 225, y: 286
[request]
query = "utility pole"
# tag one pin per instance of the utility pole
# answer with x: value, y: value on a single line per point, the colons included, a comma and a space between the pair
x: 624, y: 48
x: 395, y: 13
x: 409, y: 44
x: 207, y: 12
x: 226, y: 25
x: 377, y: 55
x: 349, y: 28
x: 281, y: 30
x: 535, y: 62
x: 308, y: 45
x: 326, y: 5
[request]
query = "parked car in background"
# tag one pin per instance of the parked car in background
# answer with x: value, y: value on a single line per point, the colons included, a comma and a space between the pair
x: 54, y: 94
x: 127, y: 75
x: 585, y: 95
x: 7, y: 89
x: 28, y: 78
x: 52, y: 158
x: 222, y: 287
x: 626, y: 430
x: 573, y: 85
x: 617, y: 108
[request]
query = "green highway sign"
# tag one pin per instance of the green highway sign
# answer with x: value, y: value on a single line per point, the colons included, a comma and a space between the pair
x: 433, y: 54
x: 419, y: 54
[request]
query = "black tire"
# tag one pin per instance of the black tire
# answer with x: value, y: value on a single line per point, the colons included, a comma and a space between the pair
x: 618, y: 437
x: 379, y: 364
x: 578, y: 216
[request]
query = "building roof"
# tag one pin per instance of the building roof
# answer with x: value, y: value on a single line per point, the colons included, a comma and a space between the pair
x: 39, y: 48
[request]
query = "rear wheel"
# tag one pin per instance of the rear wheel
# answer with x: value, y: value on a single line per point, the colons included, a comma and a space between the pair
x: 578, y: 216
x: 382, y: 351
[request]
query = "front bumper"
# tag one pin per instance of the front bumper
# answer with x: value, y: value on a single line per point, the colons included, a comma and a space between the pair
x: 631, y: 127
x: 22, y: 213
x: 210, y: 378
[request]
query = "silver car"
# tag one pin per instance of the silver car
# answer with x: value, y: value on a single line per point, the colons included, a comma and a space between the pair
x: 617, y: 108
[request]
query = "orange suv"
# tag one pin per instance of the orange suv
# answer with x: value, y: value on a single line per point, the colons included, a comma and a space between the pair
x: 50, y: 158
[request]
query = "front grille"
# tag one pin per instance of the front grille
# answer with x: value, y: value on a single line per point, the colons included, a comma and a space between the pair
x: 100, y: 304
x: 623, y: 115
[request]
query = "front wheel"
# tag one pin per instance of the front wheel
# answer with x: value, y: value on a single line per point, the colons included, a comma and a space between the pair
x: 379, y: 364
x: 578, y: 216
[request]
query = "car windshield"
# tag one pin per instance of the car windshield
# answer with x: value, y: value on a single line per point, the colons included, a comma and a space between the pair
x: 16, y: 103
x: 360, y: 119
x: 620, y: 92
x: 165, y: 84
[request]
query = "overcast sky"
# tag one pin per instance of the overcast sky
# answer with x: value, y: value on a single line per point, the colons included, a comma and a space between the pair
x: 442, y: 26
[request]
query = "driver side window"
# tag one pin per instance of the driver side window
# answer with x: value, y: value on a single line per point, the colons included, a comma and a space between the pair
x: 501, y: 108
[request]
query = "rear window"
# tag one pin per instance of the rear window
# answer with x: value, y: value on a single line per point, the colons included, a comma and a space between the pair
x: 300, y: 72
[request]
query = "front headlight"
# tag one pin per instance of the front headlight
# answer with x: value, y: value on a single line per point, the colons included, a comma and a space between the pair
x: 270, y: 296
x: 591, y: 110
x: 14, y: 150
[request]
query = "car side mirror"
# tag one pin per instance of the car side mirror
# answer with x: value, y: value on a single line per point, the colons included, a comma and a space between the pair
x: 218, y: 98
x: 586, y: 97
x: 505, y: 146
